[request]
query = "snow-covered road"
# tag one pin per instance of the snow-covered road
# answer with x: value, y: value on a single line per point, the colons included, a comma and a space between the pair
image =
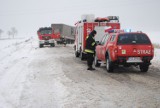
x: 31, y: 77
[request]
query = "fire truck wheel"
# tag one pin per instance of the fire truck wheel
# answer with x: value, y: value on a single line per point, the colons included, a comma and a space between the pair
x: 40, y: 45
x: 144, y: 67
x: 109, y: 65
x: 96, y: 61
x: 77, y: 54
x: 52, y: 45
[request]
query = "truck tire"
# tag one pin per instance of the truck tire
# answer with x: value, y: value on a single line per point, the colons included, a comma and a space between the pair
x: 109, y: 65
x: 77, y: 54
x: 40, y: 45
x: 96, y: 63
x: 52, y: 45
x: 144, y: 67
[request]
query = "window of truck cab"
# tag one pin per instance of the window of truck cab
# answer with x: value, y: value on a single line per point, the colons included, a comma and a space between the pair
x: 133, y: 39
x: 46, y: 31
x: 104, y: 39
x: 113, y: 38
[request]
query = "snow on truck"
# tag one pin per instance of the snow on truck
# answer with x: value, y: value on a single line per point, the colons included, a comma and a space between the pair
x: 86, y: 25
x: 123, y: 47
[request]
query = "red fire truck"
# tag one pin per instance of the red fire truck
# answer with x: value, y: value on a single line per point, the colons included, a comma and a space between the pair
x: 47, y: 36
x: 86, y: 25
x: 124, y: 48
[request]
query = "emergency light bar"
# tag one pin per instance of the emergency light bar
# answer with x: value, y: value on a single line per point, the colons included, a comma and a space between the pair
x: 119, y: 31
x: 127, y: 30
x: 116, y: 31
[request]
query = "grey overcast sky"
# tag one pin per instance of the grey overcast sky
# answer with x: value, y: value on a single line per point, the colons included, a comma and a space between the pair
x: 28, y: 15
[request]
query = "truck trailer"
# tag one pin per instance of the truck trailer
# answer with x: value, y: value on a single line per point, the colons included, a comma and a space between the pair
x: 66, y: 33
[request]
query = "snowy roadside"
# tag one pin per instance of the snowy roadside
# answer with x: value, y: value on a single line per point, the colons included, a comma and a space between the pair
x: 9, y: 46
x: 12, y: 70
x: 11, y: 50
x: 156, y: 59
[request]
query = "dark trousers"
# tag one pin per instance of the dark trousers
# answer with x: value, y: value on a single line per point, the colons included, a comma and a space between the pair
x: 90, y: 59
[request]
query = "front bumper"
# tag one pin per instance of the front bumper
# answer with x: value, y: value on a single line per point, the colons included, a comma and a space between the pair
x: 46, y: 42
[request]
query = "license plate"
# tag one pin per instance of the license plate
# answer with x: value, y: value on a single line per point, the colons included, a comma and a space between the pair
x: 134, y: 60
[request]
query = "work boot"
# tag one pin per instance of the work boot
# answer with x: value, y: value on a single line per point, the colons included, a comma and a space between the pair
x: 90, y: 68
x: 93, y: 69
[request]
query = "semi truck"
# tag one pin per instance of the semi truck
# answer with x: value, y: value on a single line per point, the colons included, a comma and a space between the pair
x: 57, y: 33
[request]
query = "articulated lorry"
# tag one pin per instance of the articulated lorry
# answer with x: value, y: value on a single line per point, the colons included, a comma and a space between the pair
x: 57, y: 33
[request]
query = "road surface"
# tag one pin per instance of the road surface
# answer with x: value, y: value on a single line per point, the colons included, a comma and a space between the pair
x: 32, y: 77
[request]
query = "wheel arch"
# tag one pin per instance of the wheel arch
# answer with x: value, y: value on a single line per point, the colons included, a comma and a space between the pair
x: 108, y: 55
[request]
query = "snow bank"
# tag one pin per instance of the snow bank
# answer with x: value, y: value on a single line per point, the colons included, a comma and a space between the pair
x: 8, y: 46
x: 156, y: 59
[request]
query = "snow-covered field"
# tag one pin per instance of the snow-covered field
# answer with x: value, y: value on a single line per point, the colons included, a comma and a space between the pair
x: 156, y: 59
x: 9, y: 46
x: 157, y: 54
x: 32, y: 77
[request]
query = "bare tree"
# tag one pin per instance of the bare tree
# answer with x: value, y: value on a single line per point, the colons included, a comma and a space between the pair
x: 9, y: 34
x: 1, y: 31
x: 14, y: 31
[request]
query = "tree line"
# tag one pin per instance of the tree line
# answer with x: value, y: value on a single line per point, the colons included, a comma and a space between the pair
x: 11, y: 33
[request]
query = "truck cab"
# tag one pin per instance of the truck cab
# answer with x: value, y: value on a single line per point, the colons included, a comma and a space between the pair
x: 47, y: 36
x: 124, y: 48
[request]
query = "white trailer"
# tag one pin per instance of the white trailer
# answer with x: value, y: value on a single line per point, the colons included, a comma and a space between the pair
x: 101, y: 31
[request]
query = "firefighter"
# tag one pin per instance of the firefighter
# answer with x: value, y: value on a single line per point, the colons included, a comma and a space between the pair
x: 90, y: 49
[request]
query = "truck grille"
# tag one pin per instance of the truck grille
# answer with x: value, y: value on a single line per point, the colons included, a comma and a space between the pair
x: 46, y: 37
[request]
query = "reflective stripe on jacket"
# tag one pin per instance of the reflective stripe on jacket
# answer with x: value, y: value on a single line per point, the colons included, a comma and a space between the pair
x: 93, y: 43
x: 89, y: 51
